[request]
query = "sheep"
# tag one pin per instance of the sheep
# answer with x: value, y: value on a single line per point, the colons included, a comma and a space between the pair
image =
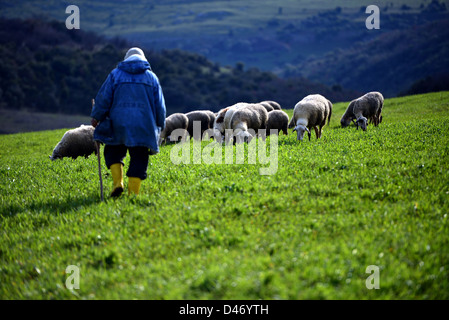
x: 360, y: 110
x: 206, y: 118
x: 267, y: 106
x: 211, y: 118
x: 223, y: 119
x: 277, y: 119
x: 250, y: 116
x: 173, y: 122
x: 273, y: 104
x: 76, y: 143
x: 311, y: 112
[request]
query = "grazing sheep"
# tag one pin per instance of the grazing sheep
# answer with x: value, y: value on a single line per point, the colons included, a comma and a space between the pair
x: 219, y: 125
x: 277, y: 119
x: 211, y: 118
x: 205, y: 117
x: 360, y: 110
x: 267, y: 106
x: 311, y: 112
x: 76, y: 143
x: 251, y: 116
x: 223, y: 119
x: 173, y: 122
x: 273, y: 104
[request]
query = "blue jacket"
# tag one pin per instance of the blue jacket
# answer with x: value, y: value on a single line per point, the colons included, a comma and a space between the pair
x: 130, y: 107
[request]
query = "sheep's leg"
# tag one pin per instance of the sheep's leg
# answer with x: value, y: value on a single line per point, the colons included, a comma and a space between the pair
x: 317, y: 134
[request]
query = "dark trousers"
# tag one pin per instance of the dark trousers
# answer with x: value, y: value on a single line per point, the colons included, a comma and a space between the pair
x: 138, y: 164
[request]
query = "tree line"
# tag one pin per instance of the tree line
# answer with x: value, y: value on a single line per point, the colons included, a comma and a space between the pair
x: 47, y: 68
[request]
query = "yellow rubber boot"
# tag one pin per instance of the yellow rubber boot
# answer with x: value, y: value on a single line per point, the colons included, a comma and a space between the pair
x: 117, y: 179
x: 134, y: 185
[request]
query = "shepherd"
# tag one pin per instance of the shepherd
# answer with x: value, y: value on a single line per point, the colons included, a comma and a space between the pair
x: 128, y: 116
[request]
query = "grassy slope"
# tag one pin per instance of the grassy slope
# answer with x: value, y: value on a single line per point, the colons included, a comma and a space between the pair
x: 334, y: 207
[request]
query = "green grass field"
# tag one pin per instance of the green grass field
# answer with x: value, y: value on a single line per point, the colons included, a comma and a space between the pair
x: 334, y: 207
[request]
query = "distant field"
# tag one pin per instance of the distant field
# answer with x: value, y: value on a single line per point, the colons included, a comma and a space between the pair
x: 334, y: 207
x: 189, y: 17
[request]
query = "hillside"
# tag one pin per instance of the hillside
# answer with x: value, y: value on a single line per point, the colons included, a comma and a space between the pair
x: 47, y: 68
x: 283, y: 36
x: 391, y: 63
x: 221, y: 231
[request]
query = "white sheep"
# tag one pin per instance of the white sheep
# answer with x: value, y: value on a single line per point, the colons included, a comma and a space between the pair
x: 223, y: 120
x: 250, y: 117
x: 173, y: 122
x: 362, y: 109
x: 311, y: 112
x: 76, y: 143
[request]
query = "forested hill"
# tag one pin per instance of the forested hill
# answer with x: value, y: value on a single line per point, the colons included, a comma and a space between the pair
x: 47, y: 68
x: 391, y: 63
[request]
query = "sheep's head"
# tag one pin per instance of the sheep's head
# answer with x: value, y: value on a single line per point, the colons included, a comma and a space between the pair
x: 57, y: 154
x: 217, y: 134
x: 243, y: 136
x: 300, y: 129
x: 162, y: 138
x: 345, y: 121
x: 362, y: 122
x: 219, y: 126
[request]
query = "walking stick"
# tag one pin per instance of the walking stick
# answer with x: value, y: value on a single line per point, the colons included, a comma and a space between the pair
x: 97, y: 145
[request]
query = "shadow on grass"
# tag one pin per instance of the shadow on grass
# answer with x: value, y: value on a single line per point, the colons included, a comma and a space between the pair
x: 70, y: 203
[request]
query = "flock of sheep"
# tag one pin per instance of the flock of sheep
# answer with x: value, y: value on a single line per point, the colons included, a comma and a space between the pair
x: 244, y: 120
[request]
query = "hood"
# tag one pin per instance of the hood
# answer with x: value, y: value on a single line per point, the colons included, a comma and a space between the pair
x: 134, y: 66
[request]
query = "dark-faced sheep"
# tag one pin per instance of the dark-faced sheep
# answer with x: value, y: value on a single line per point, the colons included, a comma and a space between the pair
x: 173, y: 122
x: 78, y: 142
x: 311, y: 112
x: 360, y: 110
x: 277, y: 119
